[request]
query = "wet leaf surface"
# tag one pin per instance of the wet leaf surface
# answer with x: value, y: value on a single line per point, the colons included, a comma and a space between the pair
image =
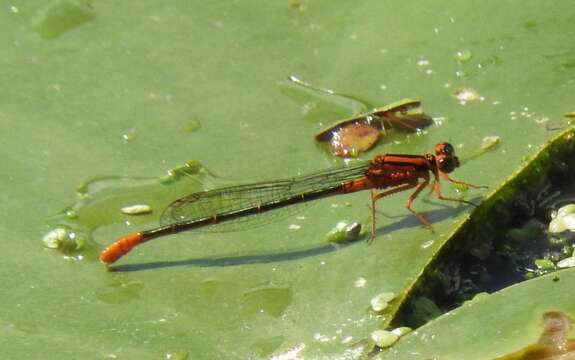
x: 114, y: 91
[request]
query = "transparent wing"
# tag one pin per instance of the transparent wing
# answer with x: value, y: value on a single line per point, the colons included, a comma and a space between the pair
x: 231, y: 199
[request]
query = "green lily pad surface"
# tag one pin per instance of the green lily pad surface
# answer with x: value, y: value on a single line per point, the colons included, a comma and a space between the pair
x: 492, y: 326
x: 103, y: 103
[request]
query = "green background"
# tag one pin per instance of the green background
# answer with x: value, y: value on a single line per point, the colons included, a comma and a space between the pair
x: 77, y: 76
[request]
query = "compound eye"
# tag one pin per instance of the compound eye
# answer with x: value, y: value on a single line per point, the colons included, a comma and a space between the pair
x: 447, y: 164
x: 444, y: 148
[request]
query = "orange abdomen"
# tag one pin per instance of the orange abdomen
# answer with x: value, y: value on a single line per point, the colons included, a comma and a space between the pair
x: 120, y: 248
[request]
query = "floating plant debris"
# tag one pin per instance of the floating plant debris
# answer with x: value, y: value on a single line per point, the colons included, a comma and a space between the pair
x: 344, y: 232
x: 101, y: 201
x: 137, y: 209
x: 355, y: 138
x: 54, y: 238
x: 562, y: 220
x: 490, y: 142
x: 191, y: 125
x: 553, y: 343
x: 466, y: 95
x: 359, y: 133
x: 64, y: 239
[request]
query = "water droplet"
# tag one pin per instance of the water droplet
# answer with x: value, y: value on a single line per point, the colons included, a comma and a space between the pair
x: 360, y: 282
x: 423, y: 62
x: 542, y: 120
x: 427, y: 244
x: 129, y: 135
x: 466, y: 95
x: 463, y: 55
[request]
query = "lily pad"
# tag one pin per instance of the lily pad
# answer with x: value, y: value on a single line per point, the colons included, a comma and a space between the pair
x: 531, y: 318
x: 98, y: 93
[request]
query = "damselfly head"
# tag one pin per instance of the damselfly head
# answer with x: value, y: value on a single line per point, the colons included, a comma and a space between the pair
x: 444, y: 149
x: 447, y: 164
x: 445, y: 157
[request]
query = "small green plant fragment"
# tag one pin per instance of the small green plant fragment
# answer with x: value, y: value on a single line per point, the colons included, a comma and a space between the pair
x: 63, y: 16
x: 570, y: 114
x: 192, y: 125
x: 384, y: 338
x: 63, y: 239
x: 344, y: 232
x: 190, y: 168
x: 490, y: 142
x: 297, y: 5
x: 553, y: 342
x: 136, y: 209
x: 463, y: 55
x: 54, y: 238
x: 381, y: 301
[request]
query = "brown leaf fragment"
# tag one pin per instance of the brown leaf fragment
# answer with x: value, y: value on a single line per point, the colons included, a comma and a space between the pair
x: 553, y: 343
